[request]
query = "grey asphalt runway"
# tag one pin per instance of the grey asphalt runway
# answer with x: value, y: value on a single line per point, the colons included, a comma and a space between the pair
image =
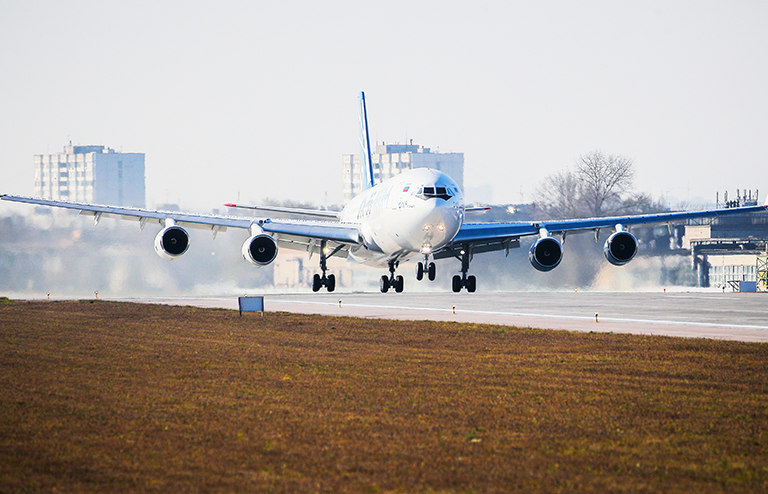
x: 729, y: 316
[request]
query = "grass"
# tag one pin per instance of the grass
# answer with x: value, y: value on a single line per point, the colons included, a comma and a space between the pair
x: 117, y: 397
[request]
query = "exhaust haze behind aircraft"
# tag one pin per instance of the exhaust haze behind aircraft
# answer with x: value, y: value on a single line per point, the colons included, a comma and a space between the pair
x: 419, y: 214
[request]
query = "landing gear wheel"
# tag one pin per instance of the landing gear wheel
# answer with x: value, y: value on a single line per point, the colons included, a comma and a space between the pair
x: 456, y: 285
x: 431, y: 270
x: 327, y: 281
x: 463, y: 281
x: 384, y: 284
x: 471, y: 283
x: 399, y: 284
x: 391, y: 281
x: 420, y: 271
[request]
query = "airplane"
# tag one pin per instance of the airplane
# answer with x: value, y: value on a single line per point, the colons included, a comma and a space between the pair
x: 418, y: 214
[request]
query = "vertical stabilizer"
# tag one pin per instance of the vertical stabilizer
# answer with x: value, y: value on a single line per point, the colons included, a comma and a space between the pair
x: 365, y: 146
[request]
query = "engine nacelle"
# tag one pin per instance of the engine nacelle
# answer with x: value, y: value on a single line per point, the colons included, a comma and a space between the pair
x: 171, y: 242
x: 260, y: 250
x: 620, y: 248
x: 546, y: 253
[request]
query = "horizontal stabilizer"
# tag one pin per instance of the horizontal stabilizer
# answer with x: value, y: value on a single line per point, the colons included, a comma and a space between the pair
x: 321, y: 213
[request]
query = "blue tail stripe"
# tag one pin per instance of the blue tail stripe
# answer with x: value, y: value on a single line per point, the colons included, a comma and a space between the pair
x: 365, y: 145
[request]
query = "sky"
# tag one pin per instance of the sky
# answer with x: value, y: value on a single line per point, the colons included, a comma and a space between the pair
x: 242, y: 101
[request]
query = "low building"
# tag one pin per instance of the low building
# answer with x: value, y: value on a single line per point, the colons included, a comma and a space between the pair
x: 93, y: 174
x: 728, y: 250
x: 294, y: 270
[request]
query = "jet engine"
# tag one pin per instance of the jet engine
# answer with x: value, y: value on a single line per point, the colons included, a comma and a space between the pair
x: 546, y: 253
x: 620, y: 248
x: 260, y: 250
x: 171, y: 242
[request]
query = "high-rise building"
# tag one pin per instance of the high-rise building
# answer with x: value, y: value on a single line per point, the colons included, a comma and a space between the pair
x: 94, y: 174
x: 391, y: 159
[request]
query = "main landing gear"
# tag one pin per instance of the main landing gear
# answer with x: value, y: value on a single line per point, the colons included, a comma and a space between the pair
x: 329, y: 281
x: 427, y: 268
x: 391, y: 281
x: 464, y: 281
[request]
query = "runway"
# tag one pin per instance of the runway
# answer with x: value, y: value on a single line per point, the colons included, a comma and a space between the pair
x: 728, y: 316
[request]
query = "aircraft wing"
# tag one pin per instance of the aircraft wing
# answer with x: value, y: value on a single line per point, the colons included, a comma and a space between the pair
x: 311, y: 230
x: 496, y: 236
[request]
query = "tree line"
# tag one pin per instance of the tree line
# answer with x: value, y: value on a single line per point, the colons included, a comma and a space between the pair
x: 598, y: 185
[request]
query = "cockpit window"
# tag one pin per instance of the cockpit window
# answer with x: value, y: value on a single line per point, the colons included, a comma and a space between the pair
x: 429, y: 192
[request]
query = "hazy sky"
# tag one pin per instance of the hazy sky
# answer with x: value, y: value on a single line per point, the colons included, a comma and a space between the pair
x: 260, y: 98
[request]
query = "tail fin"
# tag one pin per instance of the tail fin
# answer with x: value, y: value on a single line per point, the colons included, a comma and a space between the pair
x: 365, y: 146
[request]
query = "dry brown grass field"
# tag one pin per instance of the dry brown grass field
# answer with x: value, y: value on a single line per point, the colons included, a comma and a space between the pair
x: 118, y: 397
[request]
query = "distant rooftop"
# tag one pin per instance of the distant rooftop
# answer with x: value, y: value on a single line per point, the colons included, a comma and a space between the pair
x: 401, y: 148
x: 87, y: 149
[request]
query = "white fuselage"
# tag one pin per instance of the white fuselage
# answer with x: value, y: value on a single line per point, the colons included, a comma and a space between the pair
x: 412, y: 214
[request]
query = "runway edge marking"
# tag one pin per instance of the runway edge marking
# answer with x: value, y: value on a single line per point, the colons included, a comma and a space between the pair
x: 526, y: 314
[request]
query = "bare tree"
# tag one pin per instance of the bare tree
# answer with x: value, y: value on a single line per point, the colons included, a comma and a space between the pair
x: 560, y: 195
x: 601, y: 185
x: 606, y: 180
x: 643, y: 203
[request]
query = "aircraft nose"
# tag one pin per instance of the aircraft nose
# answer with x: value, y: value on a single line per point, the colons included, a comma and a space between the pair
x: 440, y: 226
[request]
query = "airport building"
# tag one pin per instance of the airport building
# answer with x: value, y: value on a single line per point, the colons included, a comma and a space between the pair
x: 93, y: 174
x: 392, y: 159
x: 294, y: 269
x: 730, y: 251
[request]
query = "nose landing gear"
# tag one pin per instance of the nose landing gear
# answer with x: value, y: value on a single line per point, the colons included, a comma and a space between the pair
x: 427, y: 268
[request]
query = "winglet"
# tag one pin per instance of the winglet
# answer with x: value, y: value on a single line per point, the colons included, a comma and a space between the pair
x: 365, y: 145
